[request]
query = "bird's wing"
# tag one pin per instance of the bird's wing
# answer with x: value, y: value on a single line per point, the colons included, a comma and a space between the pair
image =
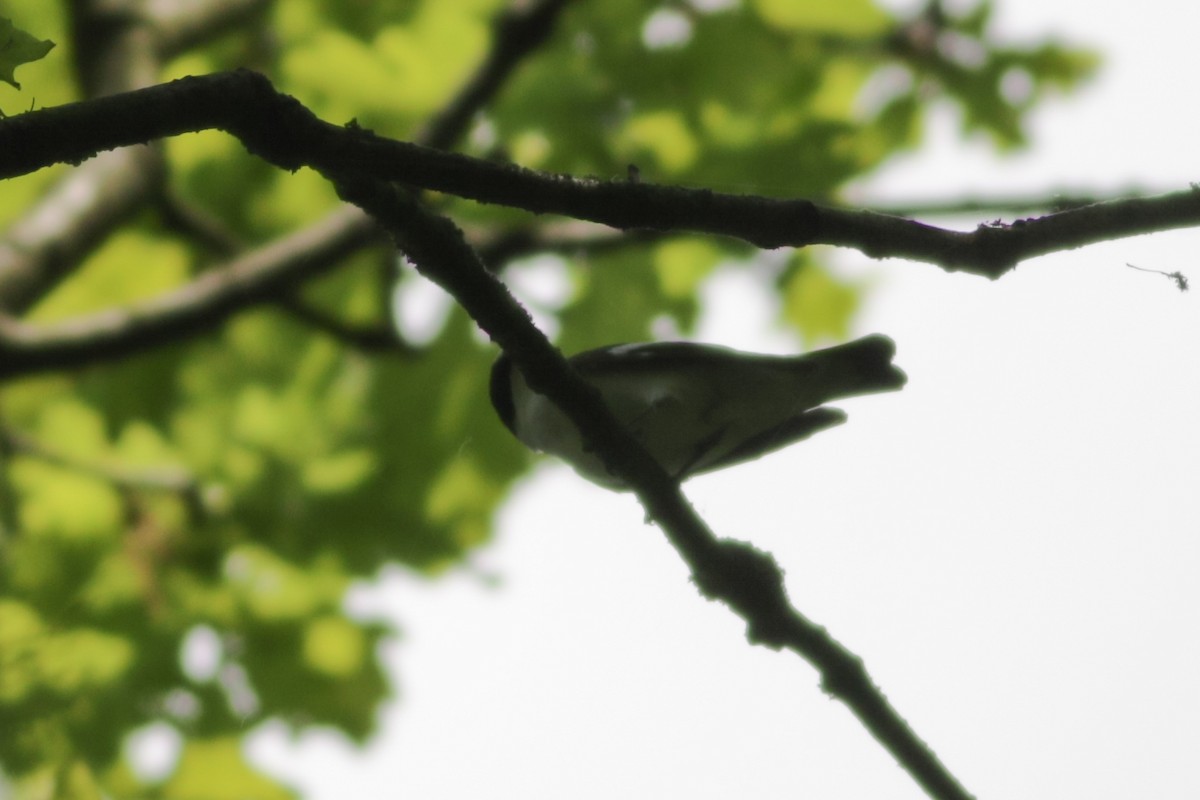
x: 794, y: 429
x: 678, y: 356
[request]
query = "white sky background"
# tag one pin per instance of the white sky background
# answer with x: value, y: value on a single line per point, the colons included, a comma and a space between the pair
x: 1012, y: 543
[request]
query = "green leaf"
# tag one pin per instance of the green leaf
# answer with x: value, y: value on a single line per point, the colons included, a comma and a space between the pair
x: 661, y: 137
x: 851, y: 17
x: 334, y: 646
x: 20, y: 628
x: 816, y: 303
x: 215, y: 769
x: 16, y: 48
x: 77, y: 661
x: 683, y: 264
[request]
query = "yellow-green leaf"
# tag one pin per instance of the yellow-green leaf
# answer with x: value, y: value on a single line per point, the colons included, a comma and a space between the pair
x: 215, y: 769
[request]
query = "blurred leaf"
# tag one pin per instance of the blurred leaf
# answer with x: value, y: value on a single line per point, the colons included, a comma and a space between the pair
x: 74, y: 661
x: 334, y: 646
x: 272, y: 590
x: 19, y: 629
x: 65, y: 505
x: 852, y: 17
x: 661, y: 137
x: 338, y: 472
x: 215, y: 769
x: 815, y: 303
x: 682, y: 265
x: 626, y: 281
x: 18, y: 47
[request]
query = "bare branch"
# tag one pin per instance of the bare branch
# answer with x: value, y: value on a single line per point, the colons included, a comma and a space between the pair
x: 995, y: 248
x: 279, y: 129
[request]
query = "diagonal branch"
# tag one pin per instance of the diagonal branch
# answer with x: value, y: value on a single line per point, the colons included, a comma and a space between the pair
x: 367, y: 338
x: 279, y: 129
x: 748, y: 580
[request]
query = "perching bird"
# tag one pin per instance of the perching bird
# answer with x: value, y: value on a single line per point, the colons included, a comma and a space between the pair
x: 696, y: 407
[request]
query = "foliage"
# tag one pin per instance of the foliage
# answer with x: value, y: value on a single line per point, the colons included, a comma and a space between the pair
x: 238, y: 482
x: 17, y: 47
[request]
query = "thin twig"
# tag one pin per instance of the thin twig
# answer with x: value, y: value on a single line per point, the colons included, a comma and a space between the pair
x: 371, y: 339
x: 198, y: 225
x: 1181, y: 281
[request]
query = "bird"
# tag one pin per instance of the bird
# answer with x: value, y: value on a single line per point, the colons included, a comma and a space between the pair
x: 695, y: 407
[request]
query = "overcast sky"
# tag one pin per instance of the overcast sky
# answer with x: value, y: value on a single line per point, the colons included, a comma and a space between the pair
x: 1012, y: 543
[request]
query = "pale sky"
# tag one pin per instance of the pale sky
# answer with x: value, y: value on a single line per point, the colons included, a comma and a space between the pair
x: 1012, y: 543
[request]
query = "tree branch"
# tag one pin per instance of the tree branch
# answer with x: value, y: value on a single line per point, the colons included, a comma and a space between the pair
x: 256, y: 278
x: 747, y: 579
x: 279, y: 129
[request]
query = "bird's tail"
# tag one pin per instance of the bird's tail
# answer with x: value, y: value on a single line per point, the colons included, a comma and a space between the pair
x: 863, y: 366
